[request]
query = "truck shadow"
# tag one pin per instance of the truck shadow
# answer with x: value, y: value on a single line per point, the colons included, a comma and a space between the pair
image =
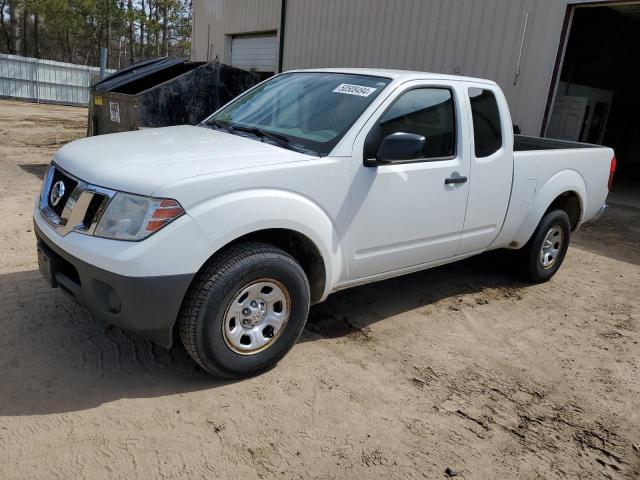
x: 56, y: 358
x: 37, y: 169
x: 489, y: 277
x: 616, y: 235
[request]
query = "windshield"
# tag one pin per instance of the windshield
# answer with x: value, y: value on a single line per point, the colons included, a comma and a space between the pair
x: 308, y: 110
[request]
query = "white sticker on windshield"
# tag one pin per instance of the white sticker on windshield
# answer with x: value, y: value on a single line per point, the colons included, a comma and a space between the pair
x: 358, y: 90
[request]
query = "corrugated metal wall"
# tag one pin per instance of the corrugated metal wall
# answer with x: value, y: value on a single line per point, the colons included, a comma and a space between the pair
x: 467, y: 37
x: 216, y: 20
x: 46, y: 80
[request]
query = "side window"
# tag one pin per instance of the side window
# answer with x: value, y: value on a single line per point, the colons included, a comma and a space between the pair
x: 487, y: 131
x: 424, y: 111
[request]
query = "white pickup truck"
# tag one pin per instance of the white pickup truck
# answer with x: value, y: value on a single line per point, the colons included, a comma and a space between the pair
x: 311, y: 182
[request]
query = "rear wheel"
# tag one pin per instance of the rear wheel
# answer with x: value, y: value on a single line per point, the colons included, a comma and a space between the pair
x: 245, y: 310
x: 545, y: 251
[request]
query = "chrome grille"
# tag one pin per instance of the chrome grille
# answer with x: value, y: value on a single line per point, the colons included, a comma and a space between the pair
x: 78, y: 208
x: 59, y: 176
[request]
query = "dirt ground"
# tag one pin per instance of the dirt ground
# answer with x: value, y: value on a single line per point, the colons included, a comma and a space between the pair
x: 462, y: 367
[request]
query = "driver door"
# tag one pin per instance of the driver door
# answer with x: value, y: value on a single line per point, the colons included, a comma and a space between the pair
x: 409, y: 213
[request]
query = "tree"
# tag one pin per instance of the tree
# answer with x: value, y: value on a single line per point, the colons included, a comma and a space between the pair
x: 130, y: 19
x: 24, y: 33
x: 142, y: 18
x: 74, y: 30
x: 165, y: 28
x: 36, y: 35
x: 12, y: 35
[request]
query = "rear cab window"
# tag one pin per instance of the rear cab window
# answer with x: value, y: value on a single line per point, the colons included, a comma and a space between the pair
x: 487, y: 129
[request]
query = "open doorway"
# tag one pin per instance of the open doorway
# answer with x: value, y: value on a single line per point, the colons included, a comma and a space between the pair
x: 597, y: 98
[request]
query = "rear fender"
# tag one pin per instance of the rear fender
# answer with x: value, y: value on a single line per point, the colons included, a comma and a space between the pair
x: 562, y: 182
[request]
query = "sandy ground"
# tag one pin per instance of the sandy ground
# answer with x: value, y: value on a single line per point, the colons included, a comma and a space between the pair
x: 462, y: 367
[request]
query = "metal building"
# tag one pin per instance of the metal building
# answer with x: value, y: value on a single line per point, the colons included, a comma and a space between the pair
x: 533, y: 48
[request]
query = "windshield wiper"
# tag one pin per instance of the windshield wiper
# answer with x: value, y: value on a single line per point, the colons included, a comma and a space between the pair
x: 281, y: 140
x: 218, y: 124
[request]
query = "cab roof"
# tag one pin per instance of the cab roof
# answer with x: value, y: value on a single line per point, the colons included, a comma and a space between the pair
x: 400, y: 75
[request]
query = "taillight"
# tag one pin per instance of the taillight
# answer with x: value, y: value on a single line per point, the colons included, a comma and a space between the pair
x: 612, y: 172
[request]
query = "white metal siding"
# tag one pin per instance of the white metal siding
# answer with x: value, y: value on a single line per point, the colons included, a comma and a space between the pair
x: 479, y: 38
x: 46, y: 80
x: 255, y: 53
x: 214, y: 21
x: 468, y: 37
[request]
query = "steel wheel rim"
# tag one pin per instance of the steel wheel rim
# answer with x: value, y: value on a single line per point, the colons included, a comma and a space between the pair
x: 551, y: 247
x: 256, y: 316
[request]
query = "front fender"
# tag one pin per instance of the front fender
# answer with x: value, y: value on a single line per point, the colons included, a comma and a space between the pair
x: 562, y: 182
x: 228, y: 217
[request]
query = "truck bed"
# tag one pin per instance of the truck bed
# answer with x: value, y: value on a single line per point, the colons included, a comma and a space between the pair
x: 523, y: 143
x: 543, y: 167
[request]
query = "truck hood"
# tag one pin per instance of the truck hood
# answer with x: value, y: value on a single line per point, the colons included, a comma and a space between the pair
x: 143, y: 160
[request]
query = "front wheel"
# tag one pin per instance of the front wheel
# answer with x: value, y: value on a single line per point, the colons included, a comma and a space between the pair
x: 245, y: 310
x: 545, y: 251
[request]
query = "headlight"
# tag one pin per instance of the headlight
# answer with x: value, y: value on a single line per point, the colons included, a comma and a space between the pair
x: 46, y: 181
x: 134, y: 217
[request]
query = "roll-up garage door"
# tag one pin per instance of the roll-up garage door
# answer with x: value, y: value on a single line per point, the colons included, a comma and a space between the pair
x: 256, y: 53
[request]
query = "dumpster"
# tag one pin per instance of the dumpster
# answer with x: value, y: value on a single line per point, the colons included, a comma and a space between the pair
x: 161, y: 92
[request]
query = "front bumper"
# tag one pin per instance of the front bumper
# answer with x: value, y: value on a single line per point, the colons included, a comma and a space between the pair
x: 148, y: 305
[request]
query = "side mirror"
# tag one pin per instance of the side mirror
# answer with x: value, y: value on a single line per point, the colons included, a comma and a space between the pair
x: 399, y: 147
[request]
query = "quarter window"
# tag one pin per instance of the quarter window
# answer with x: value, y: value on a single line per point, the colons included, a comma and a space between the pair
x: 487, y: 131
x: 424, y: 111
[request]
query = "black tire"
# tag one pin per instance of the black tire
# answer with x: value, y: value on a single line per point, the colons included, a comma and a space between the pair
x: 534, y: 268
x: 202, y: 315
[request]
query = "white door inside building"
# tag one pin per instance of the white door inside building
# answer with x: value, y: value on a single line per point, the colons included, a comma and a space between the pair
x: 567, y: 118
x: 598, y: 108
x: 256, y: 53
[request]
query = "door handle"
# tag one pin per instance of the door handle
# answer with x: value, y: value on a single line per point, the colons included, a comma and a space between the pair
x: 455, y: 180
